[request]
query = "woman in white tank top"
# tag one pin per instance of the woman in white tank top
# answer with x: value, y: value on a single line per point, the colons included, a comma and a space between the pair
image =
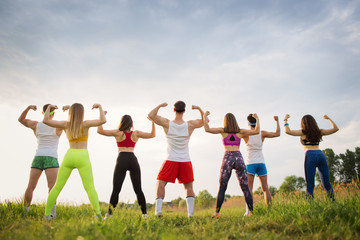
x: 255, y: 162
x: 45, y: 156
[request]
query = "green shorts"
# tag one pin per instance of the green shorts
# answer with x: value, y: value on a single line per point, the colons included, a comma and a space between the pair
x: 44, y: 162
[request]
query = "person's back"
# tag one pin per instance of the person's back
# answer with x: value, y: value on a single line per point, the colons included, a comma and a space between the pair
x: 254, y: 149
x: 178, y: 142
x: 47, y: 140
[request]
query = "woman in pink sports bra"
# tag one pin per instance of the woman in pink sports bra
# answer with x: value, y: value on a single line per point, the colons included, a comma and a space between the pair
x: 127, y: 161
x: 233, y: 159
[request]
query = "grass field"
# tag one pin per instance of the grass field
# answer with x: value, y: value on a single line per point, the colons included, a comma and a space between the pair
x: 290, y: 217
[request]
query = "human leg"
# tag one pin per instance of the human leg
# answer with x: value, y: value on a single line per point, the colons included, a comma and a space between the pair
x: 225, y: 174
x: 63, y: 175
x: 190, y: 198
x: 118, y: 180
x: 265, y: 189
x: 33, y: 180
x: 160, y: 195
x: 135, y: 175
x: 242, y: 178
x: 324, y: 174
x: 85, y: 171
x: 310, y: 169
x: 51, y: 175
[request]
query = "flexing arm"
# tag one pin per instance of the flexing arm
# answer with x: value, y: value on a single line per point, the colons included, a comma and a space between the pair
x: 288, y: 130
x: 97, y: 122
x: 151, y: 134
x: 153, y: 115
x: 27, y: 122
x: 248, y: 132
x: 266, y: 134
x: 207, y: 127
x: 51, y: 122
x: 198, y: 123
x: 332, y: 130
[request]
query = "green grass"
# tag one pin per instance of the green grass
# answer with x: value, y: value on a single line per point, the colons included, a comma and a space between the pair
x: 290, y: 217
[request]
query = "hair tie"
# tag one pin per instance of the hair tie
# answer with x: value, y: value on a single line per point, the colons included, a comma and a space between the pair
x: 252, y: 124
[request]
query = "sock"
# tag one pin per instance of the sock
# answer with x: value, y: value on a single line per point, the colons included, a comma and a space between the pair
x: 27, y: 209
x: 190, y: 202
x: 158, y: 205
x: 53, y: 211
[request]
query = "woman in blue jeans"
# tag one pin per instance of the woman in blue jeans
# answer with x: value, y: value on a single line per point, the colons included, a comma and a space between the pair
x: 310, y: 136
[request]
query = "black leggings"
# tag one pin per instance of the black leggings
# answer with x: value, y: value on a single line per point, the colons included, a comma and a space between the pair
x: 127, y: 161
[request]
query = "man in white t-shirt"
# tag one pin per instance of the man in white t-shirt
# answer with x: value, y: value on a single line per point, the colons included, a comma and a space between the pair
x: 178, y: 164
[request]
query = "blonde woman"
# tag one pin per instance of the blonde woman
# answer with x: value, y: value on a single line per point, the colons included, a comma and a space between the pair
x: 77, y: 156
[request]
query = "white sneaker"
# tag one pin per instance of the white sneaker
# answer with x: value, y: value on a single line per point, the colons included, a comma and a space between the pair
x: 48, y: 218
x: 190, y: 215
x: 99, y: 217
x: 159, y: 214
x: 144, y: 216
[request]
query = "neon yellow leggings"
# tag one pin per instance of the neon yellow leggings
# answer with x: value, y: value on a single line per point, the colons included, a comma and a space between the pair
x: 74, y: 158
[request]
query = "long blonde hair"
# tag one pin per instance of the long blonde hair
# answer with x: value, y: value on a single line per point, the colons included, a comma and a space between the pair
x: 76, y: 118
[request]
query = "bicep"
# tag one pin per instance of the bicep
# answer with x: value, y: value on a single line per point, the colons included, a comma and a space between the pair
x: 140, y: 134
x: 215, y: 130
x: 56, y: 124
x: 92, y: 123
x: 198, y: 123
x: 29, y: 123
x: 295, y: 132
x: 164, y: 122
x: 247, y: 132
x: 325, y: 132
x: 266, y: 134
x: 110, y: 133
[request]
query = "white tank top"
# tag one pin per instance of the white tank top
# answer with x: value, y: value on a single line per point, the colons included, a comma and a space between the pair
x: 254, y: 150
x: 47, y: 139
x: 178, y: 142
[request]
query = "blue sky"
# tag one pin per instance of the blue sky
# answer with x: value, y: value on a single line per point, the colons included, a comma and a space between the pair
x: 269, y: 57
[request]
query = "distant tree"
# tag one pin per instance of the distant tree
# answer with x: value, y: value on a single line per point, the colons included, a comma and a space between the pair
x: 292, y: 183
x: 204, y: 199
x: 357, y: 162
x: 177, y: 201
x: 182, y: 203
x: 227, y: 196
x: 273, y: 190
x: 348, y: 166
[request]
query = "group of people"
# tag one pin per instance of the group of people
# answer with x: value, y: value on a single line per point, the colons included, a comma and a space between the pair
x: 177, y: 164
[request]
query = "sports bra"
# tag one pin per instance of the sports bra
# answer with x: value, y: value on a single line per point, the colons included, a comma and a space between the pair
x: 127, y: 142
x: 80, y: 139
x: 231, y: 139
x: 308, y: 143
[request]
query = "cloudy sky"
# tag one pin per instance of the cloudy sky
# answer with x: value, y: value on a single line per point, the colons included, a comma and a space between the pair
x: 268, y: 57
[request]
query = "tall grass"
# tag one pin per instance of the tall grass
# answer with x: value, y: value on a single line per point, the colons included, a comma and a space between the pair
x: 292, y: 216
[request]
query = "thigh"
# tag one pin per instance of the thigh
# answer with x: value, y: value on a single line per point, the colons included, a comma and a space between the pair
x: 51, y: 175
x: 34, y: 177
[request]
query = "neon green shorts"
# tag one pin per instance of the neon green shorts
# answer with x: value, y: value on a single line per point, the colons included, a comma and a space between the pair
x: 44, y: 162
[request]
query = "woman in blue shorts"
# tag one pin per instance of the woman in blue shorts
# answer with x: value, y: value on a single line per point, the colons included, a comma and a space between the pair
x: 255, y: 162
x: 310, y: 136
x: 232, y: 134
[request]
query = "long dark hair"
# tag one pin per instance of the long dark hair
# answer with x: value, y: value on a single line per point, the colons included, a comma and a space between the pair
x: 230, y: 124
x: 126, y: 123
x: 311, y: 129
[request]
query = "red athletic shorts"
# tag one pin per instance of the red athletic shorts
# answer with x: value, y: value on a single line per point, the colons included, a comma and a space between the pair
x: 171, y: 170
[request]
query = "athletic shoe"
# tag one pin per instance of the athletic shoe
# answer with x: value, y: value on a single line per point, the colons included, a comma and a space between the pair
x: 144, y: 216
x: 99, y: 217
x: 249, y: 214
x: 159, y: 214
x: 107, y: 215
x: 190, y: 215
x: 216, y: 215
x: 48, y: 218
